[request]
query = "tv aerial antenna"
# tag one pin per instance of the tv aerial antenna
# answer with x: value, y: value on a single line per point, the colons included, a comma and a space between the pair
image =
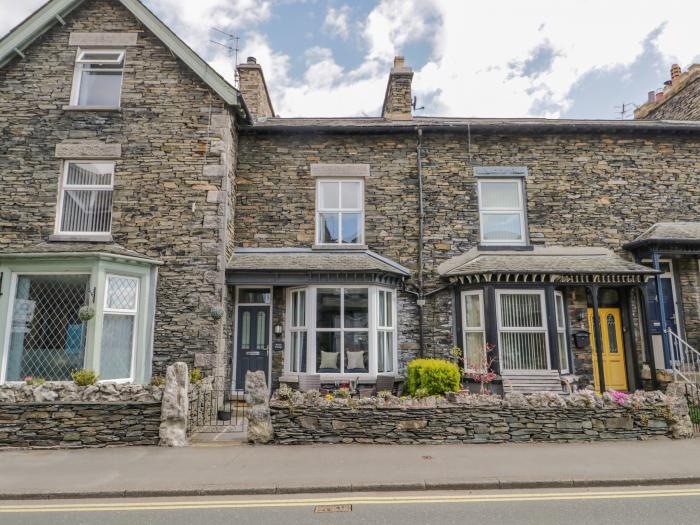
x: 232, y: 45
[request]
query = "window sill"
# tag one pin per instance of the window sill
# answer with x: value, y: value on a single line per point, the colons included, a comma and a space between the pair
x: 114, y: 109
x: 61, y: 237
x: 510, y: 247
x: 335, y: 247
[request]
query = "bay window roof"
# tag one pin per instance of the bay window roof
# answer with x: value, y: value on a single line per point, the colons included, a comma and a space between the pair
x: 542, y: 264
x: 68, y: 249
x: 686, y: 233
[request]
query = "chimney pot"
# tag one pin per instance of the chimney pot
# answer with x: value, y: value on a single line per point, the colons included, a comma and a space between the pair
x: 675, y: 73
x: 399, y: 62
x: 251, y: 60
x: 659, y: 95
x: 651, y: 96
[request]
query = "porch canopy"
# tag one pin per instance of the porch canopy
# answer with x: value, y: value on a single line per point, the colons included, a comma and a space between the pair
x: 560, y: 265
x: 299, y: 266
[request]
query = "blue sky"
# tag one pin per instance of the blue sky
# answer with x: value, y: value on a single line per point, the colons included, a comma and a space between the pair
x: 502, y: 58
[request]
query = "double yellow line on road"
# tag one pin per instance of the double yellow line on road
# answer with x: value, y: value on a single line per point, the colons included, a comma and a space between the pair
x: 349, y: 500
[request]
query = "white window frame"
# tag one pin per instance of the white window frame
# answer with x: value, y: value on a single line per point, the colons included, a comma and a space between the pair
x: 372, y: 330
x: 295, y: 330
x: 340, y: 210
x: 79, y: 66
x: 520, y: 210
x: 64, y: 187
x: 106, y: 310
x: 472, y: 329
x: 510, y: 329
x: 387, y: 331
x: 561, y: 331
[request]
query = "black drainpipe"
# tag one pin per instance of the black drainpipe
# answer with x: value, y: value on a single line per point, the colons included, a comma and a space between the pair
x: 421, y: 215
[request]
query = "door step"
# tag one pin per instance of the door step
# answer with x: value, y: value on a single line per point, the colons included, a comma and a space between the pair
x: 530, y: 383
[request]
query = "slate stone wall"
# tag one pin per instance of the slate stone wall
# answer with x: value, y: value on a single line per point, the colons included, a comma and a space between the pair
x: 582, y: 190
x: 684, y: 105
x: 463, y: 424
x: 77, y: 425
x: 172, y: 193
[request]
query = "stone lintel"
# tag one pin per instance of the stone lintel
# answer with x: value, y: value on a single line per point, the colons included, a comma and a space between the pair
x: 340, y: 170
x: 87, y: 149
x: 103, y: 39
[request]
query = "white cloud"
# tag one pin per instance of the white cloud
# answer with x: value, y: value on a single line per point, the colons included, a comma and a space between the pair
x: 337, y: 21
x: 12, y: 13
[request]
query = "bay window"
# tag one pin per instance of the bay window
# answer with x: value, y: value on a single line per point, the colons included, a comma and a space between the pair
x: 341, y: 330
x: 119, y: 327
x: 522, y: 330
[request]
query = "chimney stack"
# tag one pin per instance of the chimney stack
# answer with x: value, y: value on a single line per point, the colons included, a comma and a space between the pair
x: 254, y: 90
x: 675, y: 73
x: 398, y: 101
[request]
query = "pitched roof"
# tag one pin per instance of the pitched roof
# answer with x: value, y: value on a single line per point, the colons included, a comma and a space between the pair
x: 54, y: 11
x: 317, y: 260
x: 75, y: 249
x: 541, y: 260
x: 668, y: 233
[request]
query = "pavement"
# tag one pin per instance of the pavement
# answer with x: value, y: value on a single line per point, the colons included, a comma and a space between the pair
x: 231, y: 468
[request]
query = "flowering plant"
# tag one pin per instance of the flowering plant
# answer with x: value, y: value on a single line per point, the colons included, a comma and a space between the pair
x: 329, y: 397
x: 619, y: 397
x: 484, y: 374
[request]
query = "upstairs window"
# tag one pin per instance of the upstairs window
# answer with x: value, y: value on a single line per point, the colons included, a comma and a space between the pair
x: 339, y: 212
x: 98, y: 78
x: 502, y: 212
x: 85, y: 205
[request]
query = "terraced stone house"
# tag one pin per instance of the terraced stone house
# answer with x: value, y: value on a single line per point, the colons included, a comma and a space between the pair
x: 151, y: 212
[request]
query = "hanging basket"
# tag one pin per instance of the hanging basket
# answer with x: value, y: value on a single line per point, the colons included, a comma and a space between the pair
x: 86, y: 313
x: 217, y: 312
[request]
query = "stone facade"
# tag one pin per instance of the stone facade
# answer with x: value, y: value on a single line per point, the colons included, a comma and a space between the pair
x: 583, y: 189
x: 172, y: 187
x: 398, y: 103
x: 479, y: 419
x: 252, y: 84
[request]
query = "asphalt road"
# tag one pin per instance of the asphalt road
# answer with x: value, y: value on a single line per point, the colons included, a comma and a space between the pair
x: 646, y: 505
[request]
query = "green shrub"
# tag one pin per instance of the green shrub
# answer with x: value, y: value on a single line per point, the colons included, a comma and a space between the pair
x: 694, y: 412
x: 437, y: 376
x: 196, y: 375
x: 342, y: 393
x: 84, y: 377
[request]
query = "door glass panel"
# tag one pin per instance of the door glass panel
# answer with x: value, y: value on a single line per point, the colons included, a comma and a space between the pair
x: 328, y: 308
x: 261, y: 333
x: 612, y: 334
x: 245, y: 331
x: 254, y: 295
x: 47, y: 339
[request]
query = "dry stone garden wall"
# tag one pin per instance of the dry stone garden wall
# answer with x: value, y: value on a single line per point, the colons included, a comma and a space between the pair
x: 479, y: 419
x: 67, y: 415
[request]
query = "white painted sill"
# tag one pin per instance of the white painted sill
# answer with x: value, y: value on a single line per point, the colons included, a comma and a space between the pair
x: 67, y: 237
x: 93, y: 108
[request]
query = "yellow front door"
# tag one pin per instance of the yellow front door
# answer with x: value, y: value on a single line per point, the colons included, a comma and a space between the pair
x: 613, y: 349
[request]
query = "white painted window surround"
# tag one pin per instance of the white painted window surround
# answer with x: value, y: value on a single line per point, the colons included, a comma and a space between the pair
x: 97, y: 81
x: 341, y: 331
x: 85, y: 198
x: 339, y: 211
x: 502, y: 211
x: 473, y: 329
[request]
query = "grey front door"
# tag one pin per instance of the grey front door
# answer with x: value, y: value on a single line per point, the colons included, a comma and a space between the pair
x: 252, y: 345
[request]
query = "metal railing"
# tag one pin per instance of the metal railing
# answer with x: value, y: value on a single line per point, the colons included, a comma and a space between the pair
x: 216, y: 411
x: 685, y: 360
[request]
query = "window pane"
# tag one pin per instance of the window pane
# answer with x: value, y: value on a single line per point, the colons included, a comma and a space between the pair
x: 500, y: 194
x: 328, y: 227
x: 563, y: 359
x: 254, y: 295
x: 501, y: 227
x: 117, y: 346
x: 46, y: 337
x: 389, y: 309
x: 298, y: 356
x: 87, y: 211
x: 381, y: 309
x: 298, y: 309
x: 352, y: 228
x: 328, y: 308
x: 328, y: 352
x: 356, y: 352
x: 472, y: 310
x: 356, y: 304
x: 521, y: 310
x: 474, y: 350
x: 524, y: 350
x: 559, y: 300
x: 351, y: 195
x: 100, y: 88
x: 329, y: 195
x: 101, y: 56
x: 385, y: 351
x: 121, y: 293
x: 88, y: 174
